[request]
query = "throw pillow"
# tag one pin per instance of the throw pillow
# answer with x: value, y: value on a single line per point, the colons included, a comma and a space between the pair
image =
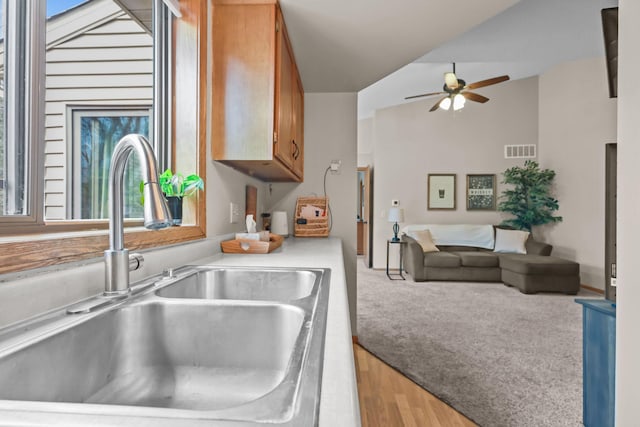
x: 426, y: 241
x: 511, y: 241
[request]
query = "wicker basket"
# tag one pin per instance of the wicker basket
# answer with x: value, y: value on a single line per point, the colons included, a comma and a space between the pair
x: 315, y: 227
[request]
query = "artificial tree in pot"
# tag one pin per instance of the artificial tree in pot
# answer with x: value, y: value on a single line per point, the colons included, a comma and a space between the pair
x: 530, y: 200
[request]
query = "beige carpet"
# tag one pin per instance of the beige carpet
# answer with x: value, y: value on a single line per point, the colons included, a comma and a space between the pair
x: 500, y: 357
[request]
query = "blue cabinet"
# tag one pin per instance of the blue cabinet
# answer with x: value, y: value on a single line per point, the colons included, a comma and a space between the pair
x: 598, y: 362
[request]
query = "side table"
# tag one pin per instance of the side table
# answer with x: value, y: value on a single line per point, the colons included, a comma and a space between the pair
x: 398, y: 276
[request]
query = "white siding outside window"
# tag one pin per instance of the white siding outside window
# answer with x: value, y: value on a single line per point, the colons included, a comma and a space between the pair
x: 99, y: 57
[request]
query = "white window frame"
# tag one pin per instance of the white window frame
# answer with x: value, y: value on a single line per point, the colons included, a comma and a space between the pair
x: 24, y: 107
x: 25, y: 29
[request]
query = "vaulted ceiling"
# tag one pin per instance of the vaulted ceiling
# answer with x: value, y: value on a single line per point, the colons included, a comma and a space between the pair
x: 345, y: 46
x: 523, y: 41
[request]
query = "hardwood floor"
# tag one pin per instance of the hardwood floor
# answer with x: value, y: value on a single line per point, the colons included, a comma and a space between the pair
x: 389, y: 399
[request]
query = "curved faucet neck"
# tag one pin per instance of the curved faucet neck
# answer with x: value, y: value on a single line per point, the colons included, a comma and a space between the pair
x: 119, y: 160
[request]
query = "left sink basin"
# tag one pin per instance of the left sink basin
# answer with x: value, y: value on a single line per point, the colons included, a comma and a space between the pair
x: 167, y: 355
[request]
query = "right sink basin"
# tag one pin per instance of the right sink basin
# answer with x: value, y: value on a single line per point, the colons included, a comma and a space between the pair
x: 242, y: 284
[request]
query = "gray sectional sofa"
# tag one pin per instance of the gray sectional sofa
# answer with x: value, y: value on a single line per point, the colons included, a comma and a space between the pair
x: 535, y: 271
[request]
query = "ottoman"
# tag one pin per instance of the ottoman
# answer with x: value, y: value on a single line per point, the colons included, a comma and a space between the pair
x: 538, y: 273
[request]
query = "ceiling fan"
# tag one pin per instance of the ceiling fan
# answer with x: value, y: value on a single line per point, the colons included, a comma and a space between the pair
x: 456, y: 91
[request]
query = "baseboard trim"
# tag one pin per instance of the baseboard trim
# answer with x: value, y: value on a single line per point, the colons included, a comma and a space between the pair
x: 354, y: 339
x: 592, y: 289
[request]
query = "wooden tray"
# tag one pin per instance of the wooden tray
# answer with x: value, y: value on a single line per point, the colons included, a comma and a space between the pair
x: 244, y: 246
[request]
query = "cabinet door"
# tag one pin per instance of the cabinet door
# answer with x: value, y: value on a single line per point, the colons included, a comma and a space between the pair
x: 282, y: 146
x: 243, y: 88
x: 298, y: 127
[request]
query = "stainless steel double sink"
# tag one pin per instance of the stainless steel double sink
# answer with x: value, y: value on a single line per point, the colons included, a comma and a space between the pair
x: 205, y: 345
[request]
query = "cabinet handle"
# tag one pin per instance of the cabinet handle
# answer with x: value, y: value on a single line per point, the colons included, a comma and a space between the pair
x: 296, y: 151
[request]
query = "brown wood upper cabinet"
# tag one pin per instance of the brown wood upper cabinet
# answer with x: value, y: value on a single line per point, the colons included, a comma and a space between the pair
x: 257, y: 99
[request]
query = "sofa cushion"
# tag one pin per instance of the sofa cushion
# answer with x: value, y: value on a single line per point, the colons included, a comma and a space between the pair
x: 539, y: 265
x: 478, y: 259
x: 423, y: 237
x: 511, y: 241
x: 441, y: 259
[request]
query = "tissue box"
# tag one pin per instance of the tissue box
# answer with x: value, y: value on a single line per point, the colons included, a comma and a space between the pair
x: 248, y: 236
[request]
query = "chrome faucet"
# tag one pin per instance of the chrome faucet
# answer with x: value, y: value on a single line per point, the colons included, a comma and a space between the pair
x: 156, y: 213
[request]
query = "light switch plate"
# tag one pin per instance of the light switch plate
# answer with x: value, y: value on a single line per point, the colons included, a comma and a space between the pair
x: 234, y: 213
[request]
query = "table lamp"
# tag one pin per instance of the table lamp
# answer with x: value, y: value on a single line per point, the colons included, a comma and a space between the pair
x: 396, y: 215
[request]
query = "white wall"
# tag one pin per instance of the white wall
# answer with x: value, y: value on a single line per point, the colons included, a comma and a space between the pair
x: 628, y: 293
x: 410, y: 142
x: 577, y: 119
x: 226, y: 185
x: 329, y: 134
x: 365, y: 142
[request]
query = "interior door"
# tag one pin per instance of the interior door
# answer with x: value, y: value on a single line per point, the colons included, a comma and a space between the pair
x: 610, y: 217
x: 367, y: 226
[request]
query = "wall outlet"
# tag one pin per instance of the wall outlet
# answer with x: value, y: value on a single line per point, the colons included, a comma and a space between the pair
x: 234, y: 213
x: 335, y: 167
x: 395, y: 202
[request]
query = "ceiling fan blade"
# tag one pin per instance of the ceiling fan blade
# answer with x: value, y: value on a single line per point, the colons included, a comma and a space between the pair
x: 437, y: 104
x: 475, y: 97
x: 488, y: 82
x: 424, y: 94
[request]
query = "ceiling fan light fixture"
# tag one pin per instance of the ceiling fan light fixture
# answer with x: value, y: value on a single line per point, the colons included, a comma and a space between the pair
x: 445, y: 104
x: 458, y: 102
x: 450, y: 80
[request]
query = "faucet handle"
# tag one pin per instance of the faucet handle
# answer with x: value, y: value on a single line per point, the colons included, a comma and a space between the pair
x: 135, y: 261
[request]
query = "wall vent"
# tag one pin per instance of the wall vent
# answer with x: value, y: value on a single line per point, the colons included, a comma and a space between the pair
x: 527, y: 151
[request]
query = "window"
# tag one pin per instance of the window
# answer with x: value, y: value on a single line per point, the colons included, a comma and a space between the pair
x: 94, y: 136
x: 95, y: 61
x: 2, y: 37
x: 18, y: 109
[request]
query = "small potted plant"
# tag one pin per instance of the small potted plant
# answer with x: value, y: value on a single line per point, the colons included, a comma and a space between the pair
x: 175, y: 187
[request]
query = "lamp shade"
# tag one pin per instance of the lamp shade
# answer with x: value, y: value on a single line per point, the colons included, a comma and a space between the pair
x: 396, y: 215
x: 458, y: 102
x: 445, y: 103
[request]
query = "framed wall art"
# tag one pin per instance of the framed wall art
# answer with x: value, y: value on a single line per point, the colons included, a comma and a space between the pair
x: 481, y: 192
x: 441, y: 191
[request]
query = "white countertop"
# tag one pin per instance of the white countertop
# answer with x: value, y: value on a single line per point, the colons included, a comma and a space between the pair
x: 339, y: 397
x: 339, y: 406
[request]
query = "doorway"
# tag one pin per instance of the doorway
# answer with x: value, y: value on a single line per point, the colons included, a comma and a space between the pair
x: 363, y: 215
